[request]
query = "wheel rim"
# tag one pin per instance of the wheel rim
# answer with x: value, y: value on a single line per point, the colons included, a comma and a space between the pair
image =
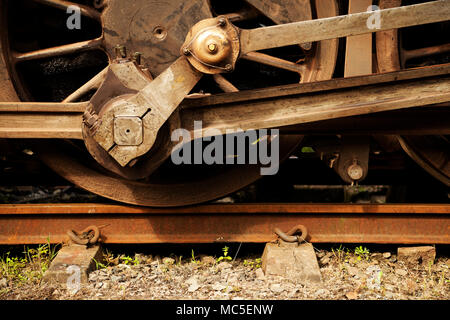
x: 210, y: 184
x: 432, y: 153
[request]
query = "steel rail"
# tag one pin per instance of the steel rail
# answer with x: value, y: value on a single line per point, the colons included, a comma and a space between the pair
x: 326, y: 223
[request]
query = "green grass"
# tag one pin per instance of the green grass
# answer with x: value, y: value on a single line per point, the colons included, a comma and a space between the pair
x: 253, y: 263
x: 225, y: 255
x: 30, y: 266
x: 110, y: 260
x: 362, y: 253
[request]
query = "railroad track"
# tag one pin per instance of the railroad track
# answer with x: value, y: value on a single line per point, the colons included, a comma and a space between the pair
x: 326, y: 223
x: 108, y: 102
x: 105, y: 106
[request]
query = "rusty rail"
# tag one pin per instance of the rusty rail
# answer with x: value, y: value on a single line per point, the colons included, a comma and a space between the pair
x: 326, y: 223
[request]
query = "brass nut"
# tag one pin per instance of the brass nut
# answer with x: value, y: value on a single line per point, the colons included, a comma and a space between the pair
x: 212, y: 47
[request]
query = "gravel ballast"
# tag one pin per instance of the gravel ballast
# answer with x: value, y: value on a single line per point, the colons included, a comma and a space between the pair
x: 377, y: 276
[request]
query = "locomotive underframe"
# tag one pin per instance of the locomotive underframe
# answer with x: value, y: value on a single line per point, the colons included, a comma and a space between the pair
x: 291, y: 108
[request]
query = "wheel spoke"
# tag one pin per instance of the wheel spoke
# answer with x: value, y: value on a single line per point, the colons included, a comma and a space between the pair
x: 274, y: 62
x: 425, y: 52
x: 58, y: 51
x: 61, y: 4
x: 358, y: 53
x: 224, y: 84
x: 94, y: 83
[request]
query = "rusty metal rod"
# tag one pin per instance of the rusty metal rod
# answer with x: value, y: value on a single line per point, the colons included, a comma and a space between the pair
x: 285, y: 237
x: 423, y: 52
x: 293, y: 234
x: 326, y: 223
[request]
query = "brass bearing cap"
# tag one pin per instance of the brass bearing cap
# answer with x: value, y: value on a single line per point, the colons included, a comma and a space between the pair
x: 212, y: 46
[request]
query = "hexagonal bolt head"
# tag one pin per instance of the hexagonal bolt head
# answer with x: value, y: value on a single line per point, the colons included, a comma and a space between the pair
x: 212, y: 47
x: 186, y: 51
x: 222, y: 22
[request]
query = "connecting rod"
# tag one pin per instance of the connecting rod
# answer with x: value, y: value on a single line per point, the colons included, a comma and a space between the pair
x: 126, y: 126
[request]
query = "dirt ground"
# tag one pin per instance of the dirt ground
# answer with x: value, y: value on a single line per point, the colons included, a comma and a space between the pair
x: 348, y: 274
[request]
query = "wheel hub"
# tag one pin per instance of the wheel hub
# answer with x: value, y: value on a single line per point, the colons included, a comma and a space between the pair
x: 212, y: 46
x: 430, y: 152
x: 157, y: 29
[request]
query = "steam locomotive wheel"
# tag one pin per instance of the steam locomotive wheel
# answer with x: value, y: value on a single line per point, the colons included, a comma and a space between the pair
x: 394, y: 52
x: 44, y: 61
